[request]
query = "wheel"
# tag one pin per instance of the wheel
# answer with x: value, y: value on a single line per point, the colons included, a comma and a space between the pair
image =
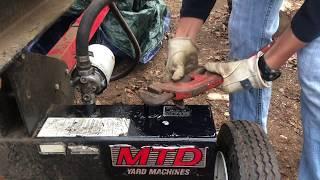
x: 244, y: 153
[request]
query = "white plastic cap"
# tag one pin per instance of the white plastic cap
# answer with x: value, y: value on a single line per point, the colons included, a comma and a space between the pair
x: 103, y: 59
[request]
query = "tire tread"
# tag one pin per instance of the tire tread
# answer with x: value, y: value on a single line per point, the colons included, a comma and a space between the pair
x: 255, y: 157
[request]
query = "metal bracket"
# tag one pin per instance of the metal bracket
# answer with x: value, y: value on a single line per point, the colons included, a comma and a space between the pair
x: 39, y: 82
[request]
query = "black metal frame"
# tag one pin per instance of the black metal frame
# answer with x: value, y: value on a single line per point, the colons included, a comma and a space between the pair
x: 38, y: 83
x: 195, y: 128
x: 41, y: 89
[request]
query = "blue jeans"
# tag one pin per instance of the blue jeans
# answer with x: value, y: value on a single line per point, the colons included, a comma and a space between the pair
x: 251, y: 26
x: 309, y: 76
x: 252, y: 23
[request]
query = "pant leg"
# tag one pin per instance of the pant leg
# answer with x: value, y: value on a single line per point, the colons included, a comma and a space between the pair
x: 251, y: 26
x: 309, y: 75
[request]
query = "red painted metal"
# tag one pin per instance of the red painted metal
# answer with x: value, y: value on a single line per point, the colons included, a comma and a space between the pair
x: 65, y: 48
x: 193, y: 84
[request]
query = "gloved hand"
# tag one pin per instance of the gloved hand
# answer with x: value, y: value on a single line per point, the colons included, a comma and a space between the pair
x: 238, y: 75
x: 182, y: 58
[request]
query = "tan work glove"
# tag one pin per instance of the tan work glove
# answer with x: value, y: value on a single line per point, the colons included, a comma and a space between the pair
x: 182, y: 58
x: 239, y: 75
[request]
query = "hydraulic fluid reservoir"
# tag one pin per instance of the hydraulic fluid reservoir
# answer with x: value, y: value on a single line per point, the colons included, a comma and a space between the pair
x: 103, y: 59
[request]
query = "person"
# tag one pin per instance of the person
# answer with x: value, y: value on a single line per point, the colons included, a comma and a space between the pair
x: 251, y: 26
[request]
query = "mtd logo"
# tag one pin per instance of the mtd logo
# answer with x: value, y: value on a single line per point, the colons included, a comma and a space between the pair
x: 158, y: 156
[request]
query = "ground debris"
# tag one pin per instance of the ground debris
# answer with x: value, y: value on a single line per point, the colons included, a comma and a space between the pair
x: 283, y: 137
x: 281, y: 90
x: 218, y: 96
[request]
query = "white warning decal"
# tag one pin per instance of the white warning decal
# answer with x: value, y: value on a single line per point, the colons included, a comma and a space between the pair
x: 84, y: 127
x: 172, y: 111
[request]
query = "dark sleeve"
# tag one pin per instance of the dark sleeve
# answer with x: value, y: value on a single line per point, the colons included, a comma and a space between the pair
x: 197, y: 8
x: 306, y: 23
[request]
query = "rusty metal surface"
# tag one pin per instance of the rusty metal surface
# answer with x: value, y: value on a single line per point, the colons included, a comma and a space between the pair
x: 21, y: 21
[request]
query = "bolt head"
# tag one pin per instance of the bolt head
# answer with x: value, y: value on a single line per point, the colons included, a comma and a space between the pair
x: 67, y: 71
x: 83, y: 80
x: 86, y: 97
x: 23, y: 56
x: 166, y: 123
x: 57, y: 86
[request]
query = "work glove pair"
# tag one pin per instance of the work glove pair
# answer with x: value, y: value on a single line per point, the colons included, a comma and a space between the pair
x: 237, y: 75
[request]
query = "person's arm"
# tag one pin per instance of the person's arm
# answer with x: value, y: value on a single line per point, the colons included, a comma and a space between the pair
x: 284, y: 47
x: 193, y: 14
x: 188, y: 27
x: 183, y: 53
x: 257, y: 72
x: 304, y: 28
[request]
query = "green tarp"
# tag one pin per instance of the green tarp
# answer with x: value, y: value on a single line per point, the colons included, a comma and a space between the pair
x: 146, y: 18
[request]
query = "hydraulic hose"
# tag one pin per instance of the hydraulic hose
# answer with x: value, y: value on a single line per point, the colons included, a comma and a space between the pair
x: 115, y: 11
x: 82, y: 39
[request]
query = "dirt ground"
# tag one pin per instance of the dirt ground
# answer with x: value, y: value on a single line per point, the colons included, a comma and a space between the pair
x: 284, y: 128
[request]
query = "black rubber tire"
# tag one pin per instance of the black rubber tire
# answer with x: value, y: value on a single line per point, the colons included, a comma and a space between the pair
x: 247, y: 152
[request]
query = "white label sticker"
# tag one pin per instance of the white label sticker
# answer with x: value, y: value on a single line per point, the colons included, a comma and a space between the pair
x: 52, y: 149
x: 80, y: 149
x: 84, y: 127
x: 172, y: 111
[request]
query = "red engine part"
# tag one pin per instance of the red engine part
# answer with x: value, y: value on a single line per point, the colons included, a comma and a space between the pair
x: 65, y: 48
